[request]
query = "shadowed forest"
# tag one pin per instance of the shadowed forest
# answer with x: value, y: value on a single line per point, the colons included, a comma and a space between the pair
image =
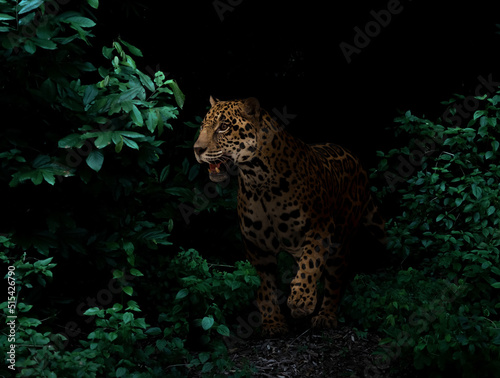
x: 122, y: 259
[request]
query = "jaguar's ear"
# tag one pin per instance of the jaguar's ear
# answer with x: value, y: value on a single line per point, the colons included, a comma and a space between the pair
x: 213, y: 101
x: 252, y: 107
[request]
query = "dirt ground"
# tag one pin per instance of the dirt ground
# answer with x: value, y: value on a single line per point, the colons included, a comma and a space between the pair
x: 332, y: 353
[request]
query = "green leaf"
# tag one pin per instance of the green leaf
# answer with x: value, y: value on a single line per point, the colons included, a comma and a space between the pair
x: 128, y: 290
x: 90, y: 94
x: 479, y: 113
x: 152, y: 120
x: 495, y: 144
x: 44, y: 262
x: 164, y: 173
x: 207, y: 322
x: 133, y: 50
x: 159, y: 77
x: 161, y: 344
x: 26, y: 6
x: 72, y: 140
x: 130, y: 94
x: 178, y: 95
x: 93, y: 311
x: 146, y: 81
x: 130, y: 134
x: 131, y: 143
x: 193, y: 172
x: 83, y: 22
x: 207, y: 367
x: 45, y: 43
x: 6, y: 17
x: 440, y: 217
x: 136, y: 116
x: 117, y: 273
x: 116, y: 307
x: 103, y: 139
x: 30, y: 47
x: 491, y: 210
x: 93, y: 3
x: 128, y: 247
x: 496, y: 285
x: 135, y: 272
x: 128, y: 317
x: 182, y: 294
x: 483, y: 130
x: 153, y: 331
x: 133, y: 306
x: 119, y: 144
x: 95, y: 160
x: 223, y: 330
x: 204, y: 357
x: 108, y: 53
x: 477, y: 191
x: 37, y: 177
x: 49, y: 177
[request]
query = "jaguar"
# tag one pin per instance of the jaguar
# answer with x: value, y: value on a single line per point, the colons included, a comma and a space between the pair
x: 307, y: 200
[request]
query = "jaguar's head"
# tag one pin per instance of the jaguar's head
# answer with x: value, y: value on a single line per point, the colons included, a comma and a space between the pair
x: 228, y: 136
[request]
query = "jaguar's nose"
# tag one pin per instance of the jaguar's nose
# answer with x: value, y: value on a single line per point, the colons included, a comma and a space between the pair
x: 199, y: 150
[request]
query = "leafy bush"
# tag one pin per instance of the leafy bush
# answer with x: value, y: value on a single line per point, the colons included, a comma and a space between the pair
x: 100, y: 200
x: 442, y: 311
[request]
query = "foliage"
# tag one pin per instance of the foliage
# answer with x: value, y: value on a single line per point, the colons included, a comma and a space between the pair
x: 99, y: 203
x: 443, y: 310
x: 197, y: 297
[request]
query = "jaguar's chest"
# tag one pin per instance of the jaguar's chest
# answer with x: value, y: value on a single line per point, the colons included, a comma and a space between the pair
x: 272, y: 221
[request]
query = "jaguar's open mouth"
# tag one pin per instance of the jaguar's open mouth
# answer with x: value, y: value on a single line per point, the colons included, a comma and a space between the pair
x: 218, y: 171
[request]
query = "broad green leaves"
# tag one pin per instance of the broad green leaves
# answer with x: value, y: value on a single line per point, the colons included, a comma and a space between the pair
x: 122, y: 92
x: 448, y: 228
x: 43, y: 168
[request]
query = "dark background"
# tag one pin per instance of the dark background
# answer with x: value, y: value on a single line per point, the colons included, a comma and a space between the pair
x: 287, y: 54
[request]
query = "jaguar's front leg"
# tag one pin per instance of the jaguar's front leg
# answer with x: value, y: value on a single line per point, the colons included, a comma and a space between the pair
x: 303, y: 298
x: 273, y: 322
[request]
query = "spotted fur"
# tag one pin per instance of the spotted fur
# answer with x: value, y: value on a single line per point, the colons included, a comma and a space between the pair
x: 307, y: 200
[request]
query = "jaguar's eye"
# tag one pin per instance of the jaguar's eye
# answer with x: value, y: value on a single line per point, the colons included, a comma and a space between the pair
x: 223, y: 127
